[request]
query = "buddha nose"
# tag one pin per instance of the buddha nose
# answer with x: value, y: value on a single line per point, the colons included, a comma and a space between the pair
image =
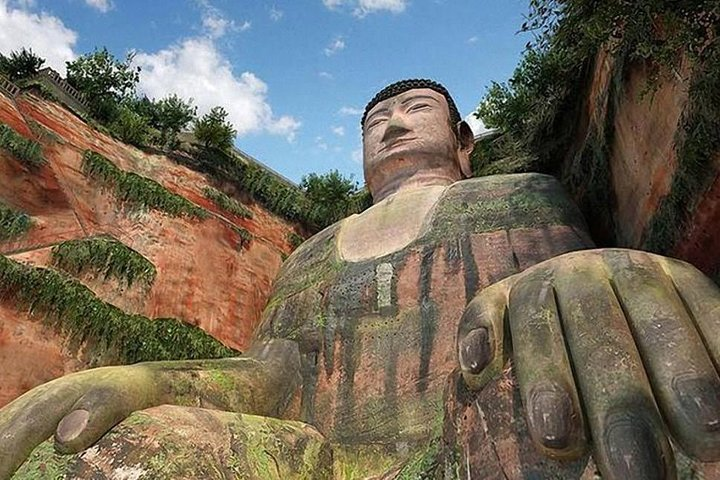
x: 395, y: 128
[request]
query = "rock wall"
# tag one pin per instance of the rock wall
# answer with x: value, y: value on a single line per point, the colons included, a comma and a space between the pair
x: 629, y: 135
x: 205, y: 276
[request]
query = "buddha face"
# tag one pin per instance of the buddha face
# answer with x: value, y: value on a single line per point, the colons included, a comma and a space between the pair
x: 409, y: 141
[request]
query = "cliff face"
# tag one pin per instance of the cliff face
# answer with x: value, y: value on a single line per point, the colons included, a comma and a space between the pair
x: 206, y: 275
x: 641, y: 187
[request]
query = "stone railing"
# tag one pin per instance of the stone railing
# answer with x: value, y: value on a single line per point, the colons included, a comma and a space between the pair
x: 8, y: 87
x: 249, y: 158
x: 54, y: 79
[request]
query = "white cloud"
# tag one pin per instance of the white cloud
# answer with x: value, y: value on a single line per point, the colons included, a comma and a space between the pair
x: 45, y: 34
x: 361, y: 8
x: 276, y: 14
x: 326, y: 75
x: 332, y: 4
x: 350, y: 111
x: 335, y: 46
x: 320, y: 143
x: 195, y: 69
x: 339, y: 131
x: 216, y: 24
x: 472, y: 39
x: 103, y: 6
x: 357, y: 155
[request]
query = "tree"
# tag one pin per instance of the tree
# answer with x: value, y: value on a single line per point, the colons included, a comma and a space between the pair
x: 172, y: 115
x: 20, y: 65
x: 104, y: 80
x: 332, y: 197
x: 129, y: 126
x: 214, y: 131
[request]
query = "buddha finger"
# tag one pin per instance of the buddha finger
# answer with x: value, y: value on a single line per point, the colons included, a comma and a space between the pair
x: 682, y: 375
x: 481, y: 336
x: 31, y: 419
x: 104, y: 405
x: 625, y: 425
x: 542, y: 368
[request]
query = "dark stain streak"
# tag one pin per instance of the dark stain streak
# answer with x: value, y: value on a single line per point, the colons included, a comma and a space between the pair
x: 428, y: 316
x: 469, y: 267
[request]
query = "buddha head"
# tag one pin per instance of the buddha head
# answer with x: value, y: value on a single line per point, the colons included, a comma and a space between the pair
x: 413, y: 136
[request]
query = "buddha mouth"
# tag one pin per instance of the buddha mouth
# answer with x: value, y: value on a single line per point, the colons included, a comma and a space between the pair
x: 395, y: 143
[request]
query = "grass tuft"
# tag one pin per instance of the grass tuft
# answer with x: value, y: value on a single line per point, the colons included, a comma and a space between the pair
x: 13, y: 223
x: 106, y: 256
x: 226, y: 203
x: 25, y: 150
x: 135, y: 191
x: 75, y: 310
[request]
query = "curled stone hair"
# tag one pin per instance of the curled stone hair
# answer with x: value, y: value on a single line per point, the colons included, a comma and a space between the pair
x: 403, y: 86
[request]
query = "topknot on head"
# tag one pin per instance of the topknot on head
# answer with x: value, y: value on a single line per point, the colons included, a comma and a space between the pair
x: 403, y: 86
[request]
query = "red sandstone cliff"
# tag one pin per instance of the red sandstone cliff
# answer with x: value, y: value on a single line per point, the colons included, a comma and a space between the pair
x: 203, y: 277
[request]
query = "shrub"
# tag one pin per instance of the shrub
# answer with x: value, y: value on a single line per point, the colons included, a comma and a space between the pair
x: 20, y: 65
x: 226, y: 203
x: 214, y: 131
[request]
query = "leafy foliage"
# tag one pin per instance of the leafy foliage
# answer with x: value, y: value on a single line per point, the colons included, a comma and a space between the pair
x: 106, y: 256
x: 173, y: 114
x: 130, y: 127
x: 244, y: 235
x: 214, y: 131
x: 535, y: 108
x: 75, y: 310
x: 27, y: 151
x: 135, y: 191
x: 104, y: 80
x: 13, y: 223
x: 331, y: 197
x: 226, y: 203
x: 20, y: 65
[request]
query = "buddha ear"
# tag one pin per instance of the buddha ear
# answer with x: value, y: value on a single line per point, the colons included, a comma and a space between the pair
x: 466, y: 140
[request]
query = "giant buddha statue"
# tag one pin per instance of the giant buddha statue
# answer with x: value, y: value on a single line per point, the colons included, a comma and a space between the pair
x: 468, y: 318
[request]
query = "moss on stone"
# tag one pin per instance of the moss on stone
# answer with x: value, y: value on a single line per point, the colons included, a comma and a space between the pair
x: 106, y: 256
x: 44, y: 464
x: 135, y: 191
x: 75, y: 310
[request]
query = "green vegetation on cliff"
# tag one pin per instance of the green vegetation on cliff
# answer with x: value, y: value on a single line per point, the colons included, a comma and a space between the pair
x: 13, y: 223
x: 74, y: 309
x: 135, y: 191
x: 106, y: 256
x: 226, y: 203
x: 27, y: 151
x: 539, y: 109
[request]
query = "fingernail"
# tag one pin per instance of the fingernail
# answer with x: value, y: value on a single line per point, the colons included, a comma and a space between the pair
x: 72, y: 425
x: 475, y: 351
x: 551, y: 417
x: 700, y: 398
x: 633, y: 450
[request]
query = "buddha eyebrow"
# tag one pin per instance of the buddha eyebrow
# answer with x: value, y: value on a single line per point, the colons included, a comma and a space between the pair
x: 416, y: 97
x: 377, y: 112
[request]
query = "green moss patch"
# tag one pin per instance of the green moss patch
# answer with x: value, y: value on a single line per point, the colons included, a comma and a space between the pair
x: 13, y: 223
x: 75, y: 310
x: 245, y: 236
x: 294, y: 240
x: 25, y: 150
x: 136, y: 191
x: 106, y: 256
x: 226, y: 203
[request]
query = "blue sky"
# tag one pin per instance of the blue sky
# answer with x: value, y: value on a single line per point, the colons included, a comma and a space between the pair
x: 294, y: 74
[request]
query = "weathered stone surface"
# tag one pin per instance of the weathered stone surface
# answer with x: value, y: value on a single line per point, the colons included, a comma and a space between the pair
x: 204, y: 276
x: 177, y: 443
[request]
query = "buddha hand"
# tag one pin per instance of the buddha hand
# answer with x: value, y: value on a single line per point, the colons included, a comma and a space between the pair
x: 607, y: 337
x: 79, y: 408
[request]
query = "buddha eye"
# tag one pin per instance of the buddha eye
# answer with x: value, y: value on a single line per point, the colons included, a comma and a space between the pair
x: 418, y: 107
x: 376, y: 121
